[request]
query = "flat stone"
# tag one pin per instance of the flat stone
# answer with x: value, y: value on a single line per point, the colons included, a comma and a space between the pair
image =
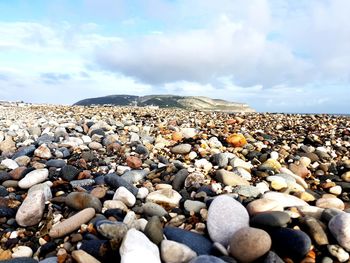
x: 284, y: 200
x: 31, y: 210
x: 181, y: 148
x: 263, y: 205
x: 58, y: 163
x: 195, y: 206
x: 174, y: 252
x: 112, y: 230
x: 153, y: 209
x: 339, y: 226
x: 270, y: 219
x: 115, y: 181
x: 81, y: 200
x: 198, y: 243
x: 69, y: 172
x: 33, y: 178
x: 164, y: 197
x: 24, y: 151
x: 249, y: 244
x: 225, y: 217
x: 230, y: 178
x: 9, y: 164
x: 136, y: 247
x: 72, y: 223
x: 80, y: 256
x: 330, y: 203
x: 43, y: 152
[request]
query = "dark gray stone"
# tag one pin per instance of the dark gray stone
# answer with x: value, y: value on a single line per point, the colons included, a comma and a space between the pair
x: 115, y: 181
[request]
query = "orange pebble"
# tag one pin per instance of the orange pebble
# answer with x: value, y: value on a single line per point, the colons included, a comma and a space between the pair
x: 236, y: 140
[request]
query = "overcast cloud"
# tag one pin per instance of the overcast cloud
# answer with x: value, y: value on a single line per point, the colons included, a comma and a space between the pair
x: 291, y: 56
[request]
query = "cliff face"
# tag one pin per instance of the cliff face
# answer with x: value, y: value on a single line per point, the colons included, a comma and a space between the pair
x: 169, y: 101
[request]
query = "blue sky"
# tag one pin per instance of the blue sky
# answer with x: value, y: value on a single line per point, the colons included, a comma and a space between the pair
x: 276, y: 55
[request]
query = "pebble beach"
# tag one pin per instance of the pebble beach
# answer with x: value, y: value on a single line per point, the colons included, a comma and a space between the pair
x: 131, y: 184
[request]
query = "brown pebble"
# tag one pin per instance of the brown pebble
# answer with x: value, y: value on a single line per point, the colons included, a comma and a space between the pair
x: 133, y: 162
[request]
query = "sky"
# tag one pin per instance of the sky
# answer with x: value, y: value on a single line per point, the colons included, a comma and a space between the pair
x: 275, y: 55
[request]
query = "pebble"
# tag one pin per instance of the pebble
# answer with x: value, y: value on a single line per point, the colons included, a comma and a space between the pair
x: 284, y: 200
x: 338, y: 252
x: 9, y: 164
x: 22, y: 251
x: 136, y: 247
x: 33, y: 178
x: 181, y: 148
x: 80, y: 201
x: 248, y: 244
x: 72, y: 223
x: 112, y: 230
x: 124, y: 195
x: 69, y: 172
x: 153, y: 209
x: 43, y: 152
x: 315, y: 230
x: 339, y: 226
x: 198, y: 243
x: 207, y: 259
x: 164, y: 197
x: 270, y: 219
x: 31, y: 210
x: 174, y: 252
x: 81, y: 256
x: 330, y: 203
x: 263, y: 205
x: 154, y: 230
x: 225, y: 217
x: 195, y: 206
x: 116, y: 181
x: 230, y: 178
x: 291, y: 243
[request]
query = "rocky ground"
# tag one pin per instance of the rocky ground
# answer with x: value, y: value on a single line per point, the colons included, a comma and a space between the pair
x: 105, y: 184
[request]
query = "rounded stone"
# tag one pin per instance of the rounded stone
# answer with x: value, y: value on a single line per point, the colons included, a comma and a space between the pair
x: 33, y: 178
x: 164, y: 197
x: 124, y: 195
x: 181, y: 148
x: 339, y: 226
x: 112, y: 230
x: 31, y: 210
x: 72, y: 223
x: 330, y: 202
x: 225, y: 217
x: 154, y: 230
x: 207, y: 259
x: 270, y: 219
x: 249, y: 244
x: 174, y: 252
x: 22, y: 251
x: 263, y: 205
x: 81, y: 200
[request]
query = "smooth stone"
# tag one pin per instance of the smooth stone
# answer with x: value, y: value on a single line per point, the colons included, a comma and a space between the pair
x: 249, y: 191
x: 22, y: 251
x: 220, y: 159
x: 80, y: 256
x: 3, y: 191
x: 33, y: 178
x: 194, y: 206
x: 329, y: 213
x: 230, y: 178
x: 112, y: 230
x: 330, y: 203
x: 124, y: 195
x: 49, y: 260
x: 188, y: 132
x: 81, y: 183
x: 339, y: 226
x: 225, y: 217
x: 207, y: 259
x: 338, y: 252
x: 43, y: 152
x: 179, y: 179
x: 136, y: 247
x: 290, y: 243
x: 24, y: 151
x: 31, y: 210
x: 69, y: 172
x: 99, y: 249
x: 198, y: 243
x: 164, y: 197
x: 237, y: 162
x: 154, y: 230
x: 81, y: 200
x: 175, y: 252
x: 270, y: 219
x: 312, y: 211
x: 56, y: 163
x: 134, y: 176
x: 181, y: 148
x: 249, y: 244
x: 44, y: 187
x: 272, y: 257
x: 153, y: 209
x: 315, y: 230
x: 285, y: 200
x: 7, y: 212
x: 22, y: 160
x: 114, y: 204
x: 142, y: 193
x: 195, y: 179
x: 9, y: 164
x: 72, y: 223
x: 277, y: 182
x: 20, y: 260
x: 116, y: 181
